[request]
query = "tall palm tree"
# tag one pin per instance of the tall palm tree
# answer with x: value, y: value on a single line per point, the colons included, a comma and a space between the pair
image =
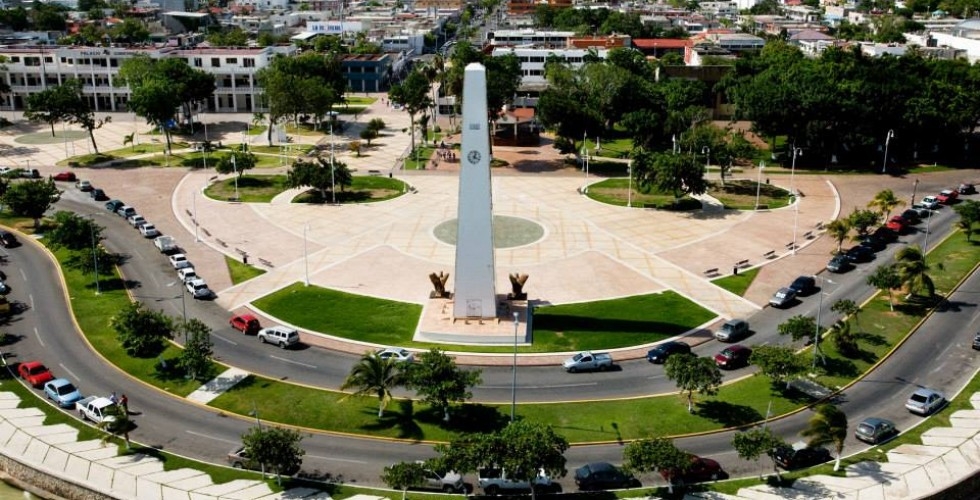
x: 839, y: 229
x: 373, y: 375
x: 828, y: 426
x: 913, y: 270
x: 885, y: 201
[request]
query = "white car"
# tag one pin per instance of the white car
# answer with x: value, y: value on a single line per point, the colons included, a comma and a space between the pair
x: 5, y: 170
x: 930, y: 202
x: 84, y: 185
x: 186, y: 274
x: 179, y: 261
x: 149, y: 231
x: 136, y: 221
x: 198, y: 288
x: 398, y: 354
x: 278, y: 335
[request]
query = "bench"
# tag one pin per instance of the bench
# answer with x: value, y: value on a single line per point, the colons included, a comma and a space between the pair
x: 205, y: 231
x: 240, y: 251
x: 374, y: 172
x: 266, y: 263
x: 711, y: 272
x: 770, y: 254
x: 742, y: 263
x: 222, y: 243
x: 819, y: 226
x: 189, y: 214
x: 791, y: 245
x: 808, y: 235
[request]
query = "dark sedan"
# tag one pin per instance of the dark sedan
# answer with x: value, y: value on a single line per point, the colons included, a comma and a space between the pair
x: 860, y: 253
x: 603, y: 475
x: 799, y: 456
x: 663, y: 351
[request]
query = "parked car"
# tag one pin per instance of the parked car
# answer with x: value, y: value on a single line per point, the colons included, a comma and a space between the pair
x: 494, y: 481
x: 239, y: 459
x: 149, y: 230
x: 198, y: 288
x: 925, y: 401
x: 733, y: 330
x: 448, y: 482
x: 804, y: 285
x: 279, y: 335
x: 967, y: 188
x: 886, y: 234
x: 113, y: 205
x: 799, y: 456
x: 245, y: 323
x: 62, y: 392
x: 875, y: 243
x: 896, y: 223
x: 976, y: 341
x: 783, y: 297
x: 4, y: 288
x: 8, y: 240
x: 84, y: 185
x: 930, y: 202
x: 947, y: 196
x: 911, y: 216
x: 179, y: 261
x: 602, y: 476
x: 839, y: 264
x: 700, y: 470
x: 860, y: 253
x: 922, y: 210
x: 65, y: 176
x: 186, y: 274
x: 97, y: 194
x: 136, y: 220
x: 35, y: 373
x: 396, y: 353
x: 663, y: 351
x: 875, y: 430
x: 125, y: 211
x: 733, y: 357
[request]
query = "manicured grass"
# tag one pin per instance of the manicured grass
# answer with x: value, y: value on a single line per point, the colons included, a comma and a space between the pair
x: 293, y: 151
x: 740, y: 194
x: 307, y: 129
x: 609, y: 148
x: 241, y: 272
x: 257, y: 129
x: 424, y: 154
x: 616, y: 192
x: 119, y: 154
x: 738, y: 283
x: 363, y: 189
x: 251, y: 188
x: 358, y: 101
x: 342, y: 314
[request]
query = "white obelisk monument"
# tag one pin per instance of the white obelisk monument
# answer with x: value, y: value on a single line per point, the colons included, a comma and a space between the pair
x: 475, y: 294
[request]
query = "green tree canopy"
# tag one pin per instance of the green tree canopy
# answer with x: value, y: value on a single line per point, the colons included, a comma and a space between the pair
x: 656, y: 454
x: 440, y: 382
x: 828, y: 426
x: 798, y: 327
x: 74, y: 232
x: 693, y: 374
x: 375, y: 376
x: 777, y: 362
x: 195, y: 359
x: 31, y: 198
x: 142, y: 332
x: 886, y: 279
x: 277, y: 449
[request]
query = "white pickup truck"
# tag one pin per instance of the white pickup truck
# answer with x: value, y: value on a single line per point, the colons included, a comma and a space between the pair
x: 165, y: 244
x: 97, y: 409
x: 494, y: 481
x: 588, y: 361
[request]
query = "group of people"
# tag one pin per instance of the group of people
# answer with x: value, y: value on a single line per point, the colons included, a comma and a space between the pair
x: 122, y: 401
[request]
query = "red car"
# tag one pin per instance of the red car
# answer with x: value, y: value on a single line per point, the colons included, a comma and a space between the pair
x: 896, y: 223
x: 947, y: 196
x: 65, y: 176
x: 733, y: 357
x: 35, y: 373
x: 701, y: 469
x: 245, y: 323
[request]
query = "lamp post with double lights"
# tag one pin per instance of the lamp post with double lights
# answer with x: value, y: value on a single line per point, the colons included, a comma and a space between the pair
x: 888, y: 138
x: 706, y: 151
x: 758, y: 183
x: 95, y: 255
x: 816, y: 330
x: 234, y: 166
x: 629, y: 192
x: 792, y: 187
x: 513, y: 387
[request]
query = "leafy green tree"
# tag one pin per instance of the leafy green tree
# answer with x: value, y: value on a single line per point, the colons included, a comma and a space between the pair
x: 51, y: 105
x: 230, y: 37
x: 375, y: 376
x: 838, y: 229
x: 843, y: 339
x: 195, y: 359
x: 236, y: 161
x: 751, y: 444
x: 74, y: 232
x: 80, y: 111
x: 886, y: 279
x: 828, y: 426
x: 368, y: 135
x: 913, y: 270
x: 885, y: 201
x: 276, y: 449
x: 798, y: 327
x: 84, y: 261
x: 404, y: 475
x: 141, y: 332
x: 308, y: 84
x: 656, y: 454
x: 863, y: 220
x: 322, y: 176
x: 969, y: 212
x: 31, y: 198
x: 777, y: 362
x: 440, y: 382
x: 680, y: 174
x: 521, y: 448
x: 130, y: 30
x: 847, y: 307
x: 413, y: 93
x: 693, y: 374
x: 155, y: 101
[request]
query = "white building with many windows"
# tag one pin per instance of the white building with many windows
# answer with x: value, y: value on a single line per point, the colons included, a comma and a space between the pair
x: 533, y: 59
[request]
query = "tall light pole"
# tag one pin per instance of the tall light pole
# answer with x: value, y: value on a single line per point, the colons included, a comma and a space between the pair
x: 706, y: 151
x: 796, y: 202
x: 816, y: 330
x: 513, y: 387
x: 888, y: 138
x: 915, y: 185
x: 673, y: 141
x: 758, y: 183
x: 629, y: 192
x: 234, y: 166
x: 306, y: 256
x: 183, y: 300
x: 95, y: 257
x: 197, y: 237
x: 333, y: 184
x: 925, y: 246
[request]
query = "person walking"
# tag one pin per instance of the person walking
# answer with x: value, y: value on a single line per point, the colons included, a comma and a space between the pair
x: 124, y: 402
x: 112, y: 398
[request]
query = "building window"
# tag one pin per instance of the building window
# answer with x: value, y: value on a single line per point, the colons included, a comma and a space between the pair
x: 15, y: 59
x: 197, y: 62
x: 248, y: 62
x: 215, y: 62
x: 231, y: 60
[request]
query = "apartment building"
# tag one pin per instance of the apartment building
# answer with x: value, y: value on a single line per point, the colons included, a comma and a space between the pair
x: 533, y: 59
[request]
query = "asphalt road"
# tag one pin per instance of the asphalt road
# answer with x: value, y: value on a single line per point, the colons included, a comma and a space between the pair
x: 47, y: 333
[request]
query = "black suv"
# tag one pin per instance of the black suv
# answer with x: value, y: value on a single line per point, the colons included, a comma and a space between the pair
x: 7, y: 239
x: 601, y: 476
x: 804, y: 285
x: 860, y: 253
x: 663, y: 351
x: 797, y: 457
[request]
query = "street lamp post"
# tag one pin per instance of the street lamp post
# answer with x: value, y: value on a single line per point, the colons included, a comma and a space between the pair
x: 673, y: 141
x: 792, y: 187
x: 758, y: 183
x: 306, y: 257
x: 816, y: 330
x: 234, y: 166
x: 197, y: 236
x: 95, y: 257
x: 925, y: 246
x: 333, y: 185
x: 915, y: 185
x: 888, y: 138
x: 629, y: 192
x: 513, y: 387
x: 706, y: 151
x: 183, y: 300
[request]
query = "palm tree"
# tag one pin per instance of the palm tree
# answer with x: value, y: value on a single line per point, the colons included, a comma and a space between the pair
x: 843, y: 339
x: 885, y: 201
x: 912, y: 270
x: 885, y: 278
x: 839, y: 229
x: 847, y: 307
x: 373, y: 375
x: 828, y: 426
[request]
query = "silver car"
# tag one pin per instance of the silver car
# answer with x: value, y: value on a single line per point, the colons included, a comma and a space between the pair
x: 925, y: 401
x: 783, y: 297
x: 278, y: 335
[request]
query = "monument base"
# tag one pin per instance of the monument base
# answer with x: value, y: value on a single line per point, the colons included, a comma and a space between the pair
x: 440, y: 326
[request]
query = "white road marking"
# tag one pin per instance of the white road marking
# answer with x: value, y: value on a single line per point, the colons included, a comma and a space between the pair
x: 38, y: 335
x: 332, y: 459
x: 30, y: 297
x: 219, y: 337
x: 22, y: 274
x: 589, y: 384
x: 293, y: 362
x: 209, y: 436
x: 63, y: 367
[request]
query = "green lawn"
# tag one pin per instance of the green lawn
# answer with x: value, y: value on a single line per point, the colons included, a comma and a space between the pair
x: 251, y: 188
x: 241, y: 272
x: 738, y: 283
x: 424, y: 154
x: 741, y: 194
x: 363, y: 189
x: 257, y: 129
x: 616, y: 192
x: 120, y: 154
x: 608, y: 148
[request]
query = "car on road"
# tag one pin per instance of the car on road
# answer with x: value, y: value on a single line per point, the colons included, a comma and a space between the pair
x: 113, y: 205
x: 804, y: 285
x: 279, y: 335
x: 700, y: 470
x: 62, y: 392
x: 179, y: 261
x: 125, y: 211
x: 925, y: 401
x: 922, y: 210
x: 733, y: 357
x: 663, y: 351
x: 198, y: 288
x: 947, y: 196
x: 8, y: 240
x: 896, y: 223
x: 35, y: 373
x: 799, y: 456
x: 239, y: 459
x: 976, y: 341
x: 839, y: 264
x: 859, y: 253
x: 97, y: 194
x: 396, y: 353
x: 783, y: 297
x: 875, y: 430
x: 149, y: 230
x: 875, y: 243
x: 65, y: 176
x: 186, y: 274
x: 449, y: 482
x: 930, y: 202
x: 733, y: 330
x: 84, y: 184
x: 967, y: 188
x: 911, y: 216
x: 4, y: 288
x: 136, y: 220
x: 603, y: 476
x: 245, y: 323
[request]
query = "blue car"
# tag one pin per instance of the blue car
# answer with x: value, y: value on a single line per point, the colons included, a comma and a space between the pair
x: 63, y: 392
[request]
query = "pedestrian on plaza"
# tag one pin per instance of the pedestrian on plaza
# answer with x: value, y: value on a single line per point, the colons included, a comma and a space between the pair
x: 124, y: 403
x: 112, y: 398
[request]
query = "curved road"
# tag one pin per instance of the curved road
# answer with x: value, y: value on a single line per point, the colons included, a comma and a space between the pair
x: 201, y: 433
